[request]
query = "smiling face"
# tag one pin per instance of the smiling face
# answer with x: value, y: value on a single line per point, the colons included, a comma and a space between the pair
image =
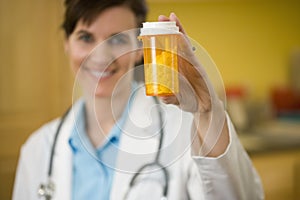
x: 99, y: 72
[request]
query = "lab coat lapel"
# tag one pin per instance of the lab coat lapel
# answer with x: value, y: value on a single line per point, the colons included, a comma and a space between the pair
x: 138, y: 145
x: 62, y: 166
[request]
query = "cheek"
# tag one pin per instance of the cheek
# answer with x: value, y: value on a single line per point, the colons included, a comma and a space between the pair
x: 77, y: 57
x: 127, y: 61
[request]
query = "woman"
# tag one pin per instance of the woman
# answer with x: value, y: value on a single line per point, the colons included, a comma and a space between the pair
x: 106, y: 138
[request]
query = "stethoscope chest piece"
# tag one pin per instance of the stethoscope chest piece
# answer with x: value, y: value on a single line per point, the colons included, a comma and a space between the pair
x: 46, y: 190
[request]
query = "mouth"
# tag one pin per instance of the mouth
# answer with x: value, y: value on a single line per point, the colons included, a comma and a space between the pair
x: 100, y: 74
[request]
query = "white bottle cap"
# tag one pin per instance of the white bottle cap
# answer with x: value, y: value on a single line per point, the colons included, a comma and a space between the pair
x: 157, y: 28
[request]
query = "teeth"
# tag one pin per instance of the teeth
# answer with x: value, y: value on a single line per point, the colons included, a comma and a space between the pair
x: 99, y: 74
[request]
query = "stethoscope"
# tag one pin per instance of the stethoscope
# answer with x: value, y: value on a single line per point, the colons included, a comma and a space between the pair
x: 47, y: 190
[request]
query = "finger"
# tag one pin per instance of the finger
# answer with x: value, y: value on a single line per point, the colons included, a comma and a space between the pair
x: 170, y: 99
x: 162, y: 18
x: 185, y: 43
x: 173, y: 17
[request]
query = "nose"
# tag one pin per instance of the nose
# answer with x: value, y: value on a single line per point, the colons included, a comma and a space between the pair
x: 100, y: 57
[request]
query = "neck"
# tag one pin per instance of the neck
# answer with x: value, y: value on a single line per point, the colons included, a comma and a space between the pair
x: 102, y: 114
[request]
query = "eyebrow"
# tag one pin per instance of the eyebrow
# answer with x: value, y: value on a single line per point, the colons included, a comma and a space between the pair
x: 118, y: 33
x: 83, y: 31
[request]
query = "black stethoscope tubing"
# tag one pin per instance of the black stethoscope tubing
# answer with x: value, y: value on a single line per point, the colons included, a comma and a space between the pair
x: 55, y: 141
x: 133, y: 180
x: 156, y: 161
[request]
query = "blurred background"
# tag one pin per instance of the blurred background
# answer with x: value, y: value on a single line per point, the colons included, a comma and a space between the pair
x: 254, y: 43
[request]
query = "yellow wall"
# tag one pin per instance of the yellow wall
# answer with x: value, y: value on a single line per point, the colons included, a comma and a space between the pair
x: 35, y: 79
x: 250, y: 41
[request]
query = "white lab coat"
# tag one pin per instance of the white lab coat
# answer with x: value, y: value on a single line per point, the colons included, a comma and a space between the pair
x: 230, y: 176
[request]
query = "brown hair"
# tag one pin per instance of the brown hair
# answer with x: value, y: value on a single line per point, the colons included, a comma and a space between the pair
x: 88, y: 10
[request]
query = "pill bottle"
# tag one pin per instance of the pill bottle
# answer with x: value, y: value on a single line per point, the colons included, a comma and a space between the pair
x: 160, y: 44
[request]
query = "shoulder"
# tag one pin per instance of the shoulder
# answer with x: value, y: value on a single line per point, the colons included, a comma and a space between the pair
x: 34, y: 154
x: 42, y: 137
x: 45, y: 134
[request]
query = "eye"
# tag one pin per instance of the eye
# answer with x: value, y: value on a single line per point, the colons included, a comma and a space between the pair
x: 119, y: 39
x: 86, y: 37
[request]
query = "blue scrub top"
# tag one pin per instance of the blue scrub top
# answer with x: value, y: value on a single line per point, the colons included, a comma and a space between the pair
x: 93, y: 169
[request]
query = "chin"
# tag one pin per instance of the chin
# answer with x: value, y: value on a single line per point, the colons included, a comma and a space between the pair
x: 102, y: 93
x: 110, y: 89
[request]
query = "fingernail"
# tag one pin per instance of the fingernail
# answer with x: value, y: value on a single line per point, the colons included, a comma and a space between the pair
x: 173, y: 15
